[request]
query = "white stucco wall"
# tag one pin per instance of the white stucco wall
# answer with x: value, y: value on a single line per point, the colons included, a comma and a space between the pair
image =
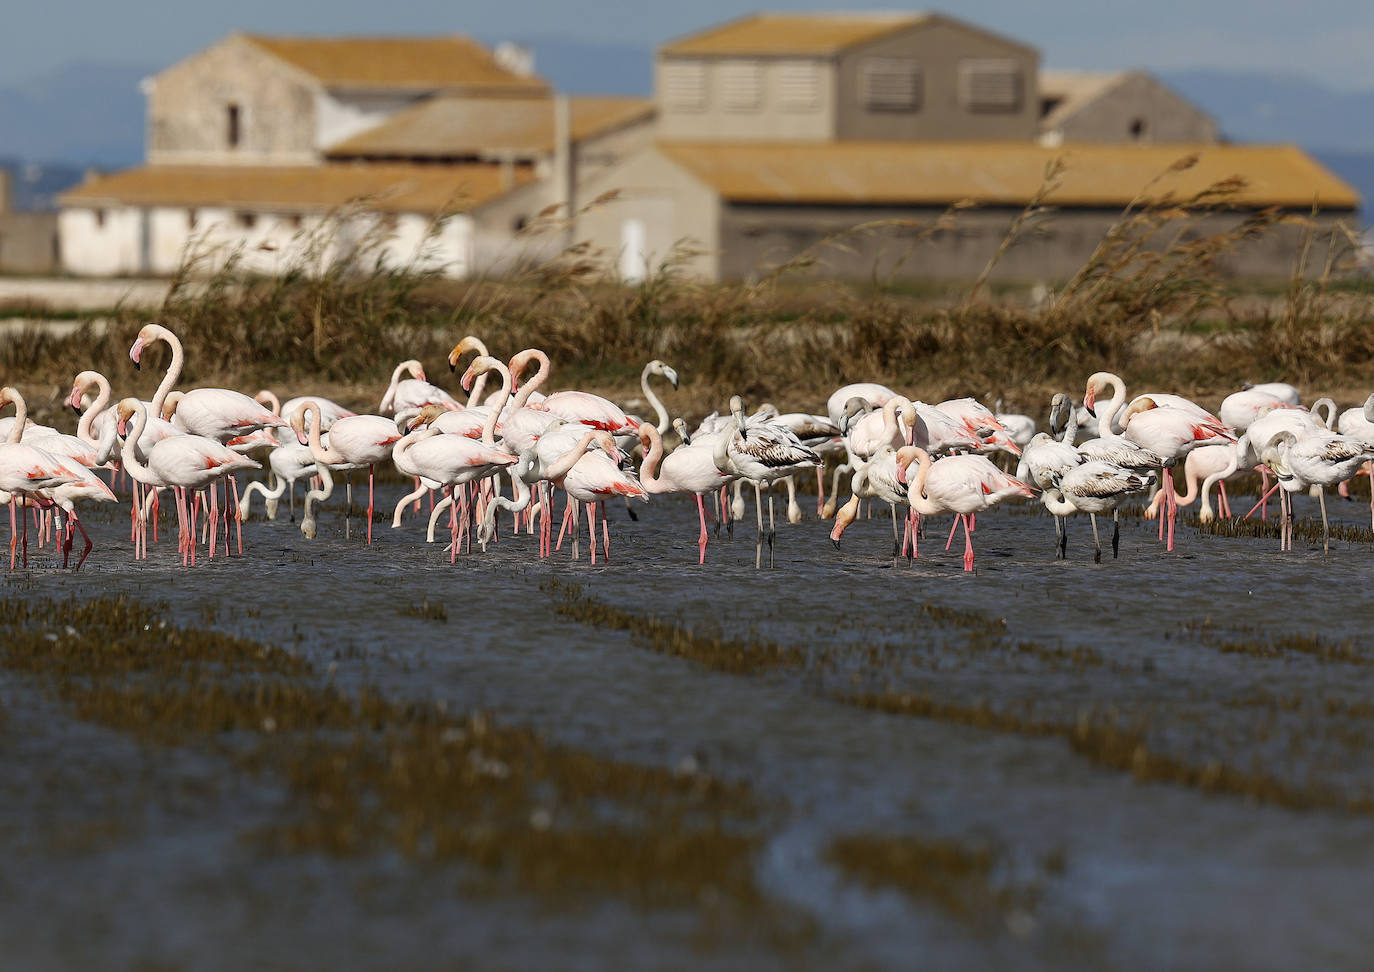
x: 339, y: 115
x: 101, y: 247
x: 274, y: 243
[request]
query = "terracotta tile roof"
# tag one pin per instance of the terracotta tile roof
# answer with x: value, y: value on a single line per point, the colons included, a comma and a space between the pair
x: 452, y: 126
x: 1001, y: 173
x: 787, y: 33
x: 398, y: 62
x: 383, y: 187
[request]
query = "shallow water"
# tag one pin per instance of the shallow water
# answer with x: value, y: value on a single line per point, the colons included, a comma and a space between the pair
x: 121, y: 854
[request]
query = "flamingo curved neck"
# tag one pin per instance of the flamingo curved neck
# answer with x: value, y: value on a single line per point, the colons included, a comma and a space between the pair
x: 1106, y: 418
x: 128, y: 455
x: 173, y: 374
x: 661, y: 413
x: 102, y: 399
x: 917, y: 491
x: 21, y: 418
x: 561, y: 466
x: 541, y: 374
x: 653, y: 459
x: 329, y: 457
x: 1071, y: 426
x: 1057, y: 503
x: 489, y: 427
x: 1328, y: 407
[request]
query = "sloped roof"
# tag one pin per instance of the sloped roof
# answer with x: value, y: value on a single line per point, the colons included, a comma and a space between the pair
x: 381, y: 187
x: 1071, y: 90
x: 1001, y: 173
x: 445, y: 127
x: 813, y: 34
x: 398, y: 62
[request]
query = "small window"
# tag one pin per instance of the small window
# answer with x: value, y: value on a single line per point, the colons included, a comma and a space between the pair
x: 741, y: 85
x: 295, y: 221
x: 248, y: 220
x: 233, y: 127
x: 684, y: 85
x: 100, y: 219
x: 1048, y: 105
x: 799, y: 86
x: 191, y: 217
x: 990, y: 85
x: 1138, y: 129
x: 890, y: 84
x: 518, y: 226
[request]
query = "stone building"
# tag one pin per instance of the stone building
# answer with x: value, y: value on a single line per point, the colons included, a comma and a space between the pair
x: 780, y: 134
x: 768, y: 137
x: 281, y: 149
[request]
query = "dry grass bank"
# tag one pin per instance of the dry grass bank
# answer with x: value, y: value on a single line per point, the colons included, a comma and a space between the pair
x: 1153, y: 303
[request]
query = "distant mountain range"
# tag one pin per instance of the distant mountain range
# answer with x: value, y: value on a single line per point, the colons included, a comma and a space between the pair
x: 92, y: 114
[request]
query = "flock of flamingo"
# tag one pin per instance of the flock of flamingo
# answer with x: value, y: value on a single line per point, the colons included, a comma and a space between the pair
x: 925, y: 460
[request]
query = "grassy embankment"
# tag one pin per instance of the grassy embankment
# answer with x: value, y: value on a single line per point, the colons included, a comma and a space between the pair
x: 1153, y: 303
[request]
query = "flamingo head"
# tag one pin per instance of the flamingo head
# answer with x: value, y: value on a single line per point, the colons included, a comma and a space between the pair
x: 646, y: 431
x: 657, y: 367
x: 1143, y: 404
x: 123, y: 412
x: 737, y: 410
x: 480, y: 365
x: 469, y: 343
x: 608, y: 446
x: 425, y: 416
x: 146, y: 336
x: 297, y: 420
x: 905, y: 457
x: 1090, y: 396
x: 853, y: 407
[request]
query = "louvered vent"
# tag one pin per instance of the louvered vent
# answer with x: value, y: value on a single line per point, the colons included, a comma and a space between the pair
x: 990, y: 85
x: 890, y: 84
x: 799, y: 86
x: 741, y: 85
x: 684, y: 86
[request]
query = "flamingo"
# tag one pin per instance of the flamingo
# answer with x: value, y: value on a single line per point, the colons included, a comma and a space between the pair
x: 1358, y: 423
x: 762, y: 452
x: 963, y: 485
x: 1094, y: 487
x: 593, y: 479
x: 28, y: 473
x: 1314, y: 459
x: 1170, y: 432
x: 1281, y: 390
x: 691, y: 469
x: 1046, y: 458
x: 1100, y: 380
x: 448, y: 461
x: 179, y: 462
x: 354, y: 442
x: 288, y: 463
x: 413, y: 392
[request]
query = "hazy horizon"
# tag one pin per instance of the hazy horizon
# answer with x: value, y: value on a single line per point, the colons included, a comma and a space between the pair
x: 1261, y: 35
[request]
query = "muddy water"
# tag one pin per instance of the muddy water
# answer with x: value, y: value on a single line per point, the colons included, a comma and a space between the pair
x: 1235, y: 831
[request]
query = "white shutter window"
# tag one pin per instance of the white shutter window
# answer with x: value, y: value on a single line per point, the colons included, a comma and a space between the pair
x: 890, y: 84
x: 684, y: 85
x: 988, y: 84
x: 741, y: 85
x: 799, y: 86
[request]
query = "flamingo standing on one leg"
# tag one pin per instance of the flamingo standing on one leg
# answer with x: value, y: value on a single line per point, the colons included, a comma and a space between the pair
x: 354, y: 442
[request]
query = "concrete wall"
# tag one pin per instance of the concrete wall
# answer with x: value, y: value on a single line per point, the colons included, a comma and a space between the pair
x: 940, y: 49
x: 671, y: 205
x: 774, y: 116
x: 188, y: 108
x: 755, y: 238
x: 1162, y: 116
x: 28, y: 242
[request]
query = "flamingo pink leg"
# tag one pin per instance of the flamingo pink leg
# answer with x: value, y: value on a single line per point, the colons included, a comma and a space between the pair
x: 968, y: 544
x: 701, y: 540
x: 1263, y: 501
x: 953, y: 526
x: 591, y: 528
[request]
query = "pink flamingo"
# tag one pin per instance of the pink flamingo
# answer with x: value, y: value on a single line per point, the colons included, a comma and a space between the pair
x: 27, y: 473
x: 690, y: 469
x: 413, y: 392
x: 963, y: 485
x: 181, y: 463
x: 354, y: 442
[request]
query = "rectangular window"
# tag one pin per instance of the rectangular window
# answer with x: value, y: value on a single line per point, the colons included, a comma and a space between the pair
x: 741, y: 85
x: 890, y: 84
x: 684, y: 85
x: 100, y: 219
x: 190, y: 219
x: 990, y: 84
x: 248, y: 220
x: 233, y: 124
x: 799, y: 86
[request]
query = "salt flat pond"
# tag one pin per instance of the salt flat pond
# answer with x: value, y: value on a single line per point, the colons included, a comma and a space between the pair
x: 1162, y: 761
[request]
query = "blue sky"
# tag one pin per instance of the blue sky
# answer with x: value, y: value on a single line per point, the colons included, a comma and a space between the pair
x: 1329, y: 40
